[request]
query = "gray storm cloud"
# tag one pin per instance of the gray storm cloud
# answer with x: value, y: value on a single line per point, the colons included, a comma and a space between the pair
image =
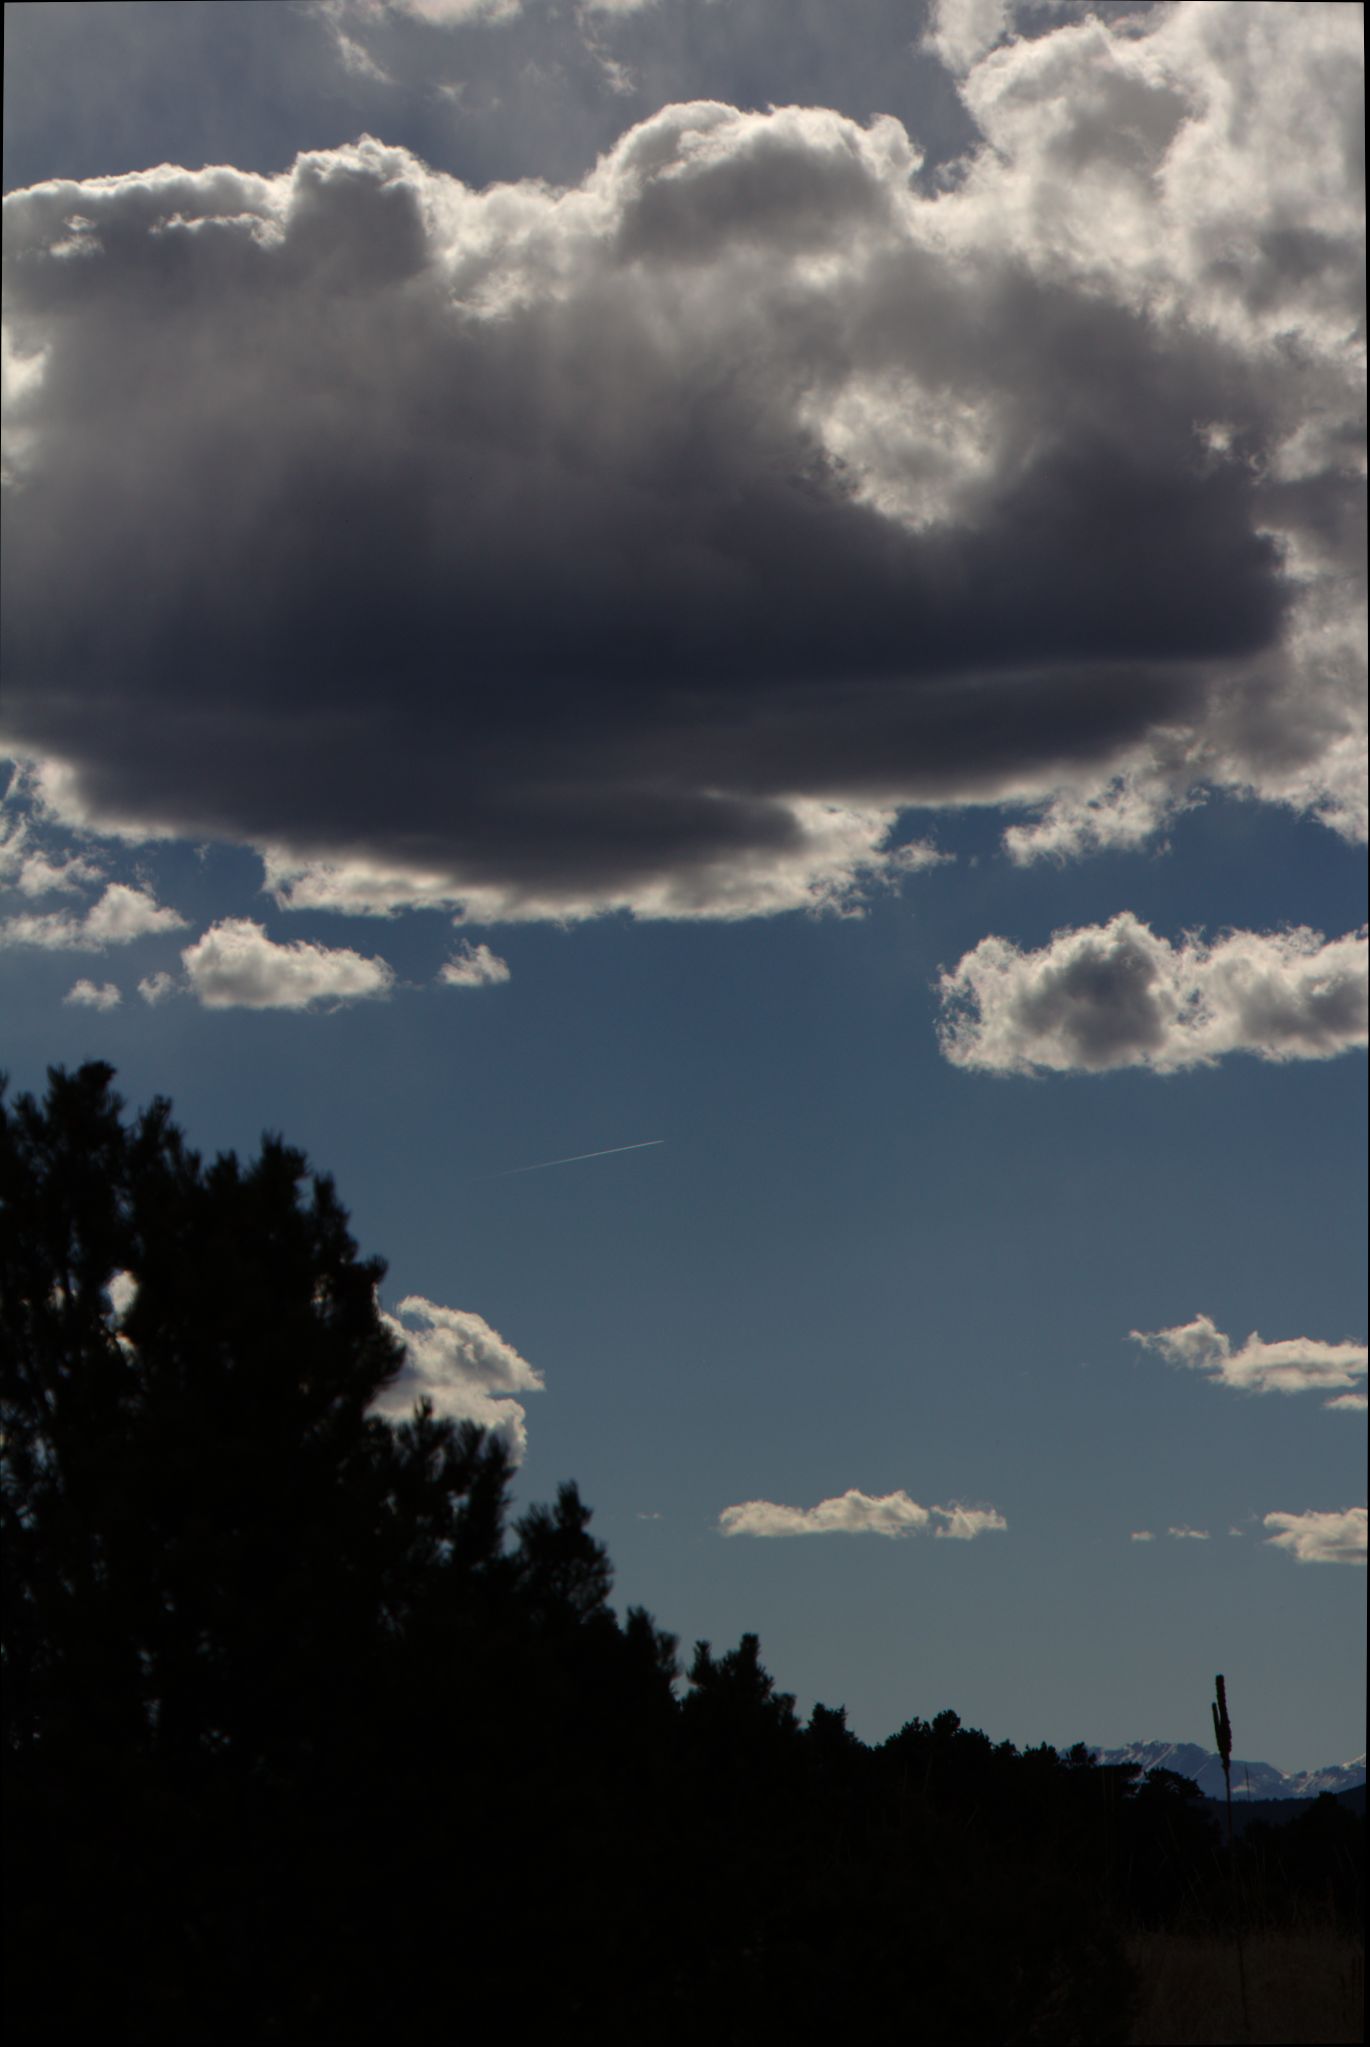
x: 654, y: 543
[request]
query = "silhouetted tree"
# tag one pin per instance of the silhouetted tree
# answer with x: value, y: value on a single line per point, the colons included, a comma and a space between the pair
x: 202, y: 1517
x: 264, y: 1652
x: 1313, y: 1863
x: 304, y: 1742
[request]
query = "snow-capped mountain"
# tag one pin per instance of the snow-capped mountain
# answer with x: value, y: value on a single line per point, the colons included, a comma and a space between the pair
x: 1249, y: 1780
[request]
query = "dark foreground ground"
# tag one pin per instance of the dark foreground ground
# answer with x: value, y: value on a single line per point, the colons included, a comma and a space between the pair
x: 1301, y: 1987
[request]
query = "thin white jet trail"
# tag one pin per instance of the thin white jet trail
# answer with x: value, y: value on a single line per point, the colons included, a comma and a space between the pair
x: 576, y: 1157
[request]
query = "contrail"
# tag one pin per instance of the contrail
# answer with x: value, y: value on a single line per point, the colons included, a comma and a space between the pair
x: 576, y: 1157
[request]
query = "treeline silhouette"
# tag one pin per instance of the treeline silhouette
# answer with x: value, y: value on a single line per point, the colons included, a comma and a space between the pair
x: 305, y: 1742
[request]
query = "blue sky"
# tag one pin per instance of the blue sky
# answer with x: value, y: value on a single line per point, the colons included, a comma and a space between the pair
x: 841, y: 637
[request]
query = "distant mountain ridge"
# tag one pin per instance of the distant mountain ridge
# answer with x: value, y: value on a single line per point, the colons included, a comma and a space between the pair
x: 1249, y: 1780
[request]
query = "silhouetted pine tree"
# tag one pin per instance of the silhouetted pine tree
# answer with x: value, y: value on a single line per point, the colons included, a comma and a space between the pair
x: 303, y: 1742
x: 272, y: 1671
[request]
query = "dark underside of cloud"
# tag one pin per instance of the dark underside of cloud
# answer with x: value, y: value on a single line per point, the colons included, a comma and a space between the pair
x: 572, y: 547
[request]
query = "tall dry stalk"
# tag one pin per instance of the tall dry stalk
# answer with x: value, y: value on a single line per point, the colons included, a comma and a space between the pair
x: 1222, y: 1728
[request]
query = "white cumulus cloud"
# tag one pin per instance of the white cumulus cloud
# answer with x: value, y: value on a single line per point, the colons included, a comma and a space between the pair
x: 1118, y: 994
x: 1296, y: 1364
x: 93, y: 995
x: 858, y: 1513
x: 466, y: 1368
x: 1320, y: 1538
x: 474, y: 966
x: 236, y: 966
x: 1183, y: 1534
x: 119, y: 916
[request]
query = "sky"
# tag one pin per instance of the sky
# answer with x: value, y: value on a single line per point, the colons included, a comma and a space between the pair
x: 716, y: 648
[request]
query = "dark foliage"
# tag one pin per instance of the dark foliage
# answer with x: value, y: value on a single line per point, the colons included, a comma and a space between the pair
x: 1312, y: 1866
x: 302, y: 1743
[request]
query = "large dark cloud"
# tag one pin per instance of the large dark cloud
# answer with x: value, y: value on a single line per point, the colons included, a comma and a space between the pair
x: 656, y: 541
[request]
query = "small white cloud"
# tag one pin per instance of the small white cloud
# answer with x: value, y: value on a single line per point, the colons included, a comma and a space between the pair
x: 122, y: 1290
x: 1114, y: 995
x: 124, y: 913
x: 466, y: 1368
x: 917, y: 855
x: 155, y: 988
x: 1353, y: 1403
x: 30, y: 868
x: 858, y: 1513
x: 93, y: 995
x: 852, y: 1513
x: 474, y: 966
x: 1189, y: 1534
x: 1314, y: 1538
x: 236, y: 966
x: 40, y: 876
x: 1299, y: 1364
x: 121, y: 915
x: 963, y: 1524
x: 1142, y: 1535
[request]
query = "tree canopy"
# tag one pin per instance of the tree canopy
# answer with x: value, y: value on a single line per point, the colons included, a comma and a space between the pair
x: 243, y: 1614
